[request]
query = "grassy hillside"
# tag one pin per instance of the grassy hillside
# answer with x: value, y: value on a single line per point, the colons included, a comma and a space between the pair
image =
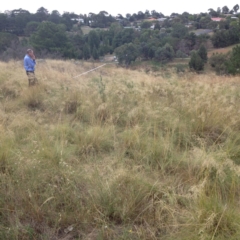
x: 221, y: 50
x: 118, y: 154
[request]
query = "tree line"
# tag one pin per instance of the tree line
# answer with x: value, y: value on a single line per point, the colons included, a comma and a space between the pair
x: 57, y: 35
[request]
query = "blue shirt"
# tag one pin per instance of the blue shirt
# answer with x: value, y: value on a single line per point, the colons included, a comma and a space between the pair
x: 29, y: 64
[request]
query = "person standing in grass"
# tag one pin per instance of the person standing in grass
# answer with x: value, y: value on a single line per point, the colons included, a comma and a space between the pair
x: 29, y: 65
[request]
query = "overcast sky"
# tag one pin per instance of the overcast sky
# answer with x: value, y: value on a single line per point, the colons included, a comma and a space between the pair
x: 115, y: 7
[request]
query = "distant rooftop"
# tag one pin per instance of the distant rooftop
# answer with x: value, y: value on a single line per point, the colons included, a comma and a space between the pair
x: 217, y: 19
x: 151, y: 19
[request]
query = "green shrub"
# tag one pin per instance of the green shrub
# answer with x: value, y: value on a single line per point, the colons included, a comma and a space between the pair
x: 196, y: 63
x: 233, y: 64
x: 219, y: 63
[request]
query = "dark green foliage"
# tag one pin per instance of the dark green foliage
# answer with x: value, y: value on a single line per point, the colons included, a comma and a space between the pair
x: 224, y: 38
x: 224, y: 24
x: 3, y: 22
x: 202, y: 52
x: 165, y: 53
x: 204, y: 21
x: 30, y: 28
x: 95, y: 53
x: 50, y: 37
x: 66, y: 20
x: 146, y: 24
x: 86, y: 51
x: 41, y: 14
x: 127, y: 35
x: 157, y: 26
x: 127, y: 53
x: 117, y: 41
x: 213, y: 25
x: 196, y: 63
x: 213, y: 13
x: 55, y: 17
x: 101, y: 20
x: 236, y: 8
x: 226, y: 63
x: 179, y: 30
x: 174, y: 42
x: 218, y: 63
x: 180, y: 54
x: 190, y: 39
x: 61, y: 35
x: 123, y: 36
x: 147, y: 50
x: 6, y: 39
x: 225, y: 10
x: 233, y: 64
x: 93, y: 39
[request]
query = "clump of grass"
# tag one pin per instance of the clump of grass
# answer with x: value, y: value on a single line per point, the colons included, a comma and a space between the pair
x: 6, y: 143
x: 95, y: 140
x: 143, y: 206
x: 72, y: 103
x: 33, y: 98
x: 217, y: 220
x: 10, y: 90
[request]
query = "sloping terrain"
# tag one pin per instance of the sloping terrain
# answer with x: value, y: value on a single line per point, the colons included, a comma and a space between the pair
x: 118, y: 154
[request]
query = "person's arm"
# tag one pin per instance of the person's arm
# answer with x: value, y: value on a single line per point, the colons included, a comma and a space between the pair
x: 33, y: 57
x: 29, y: 64
x: 33, y: 62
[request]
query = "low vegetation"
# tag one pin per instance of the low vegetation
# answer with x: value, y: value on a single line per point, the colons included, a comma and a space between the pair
x: 118, y: 154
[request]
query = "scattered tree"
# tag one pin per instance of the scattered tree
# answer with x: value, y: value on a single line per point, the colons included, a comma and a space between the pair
x: 146, y: 24
x: 233, y: 64
x: 126, y: 53
x: 236, y: 8
x: 196, y: 63
x: 219, y: 63
x: 179, y: 30
x: 165, y: 53
x: 50, y: 37
x: 225, y: 10
x: 202, y: 52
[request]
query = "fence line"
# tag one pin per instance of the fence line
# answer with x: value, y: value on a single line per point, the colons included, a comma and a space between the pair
x: 90, y: 71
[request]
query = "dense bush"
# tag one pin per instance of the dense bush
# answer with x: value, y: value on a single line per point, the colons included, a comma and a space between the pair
x: 196, y: 63
x: 233, y: 64
x: 218, y: 63
x: 224, y: 38
x: 226, y: 63
x: 202, y: 52
x: 6, y: 39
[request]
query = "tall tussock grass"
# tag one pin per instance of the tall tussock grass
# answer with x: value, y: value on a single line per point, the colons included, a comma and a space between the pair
x: 118, y: 154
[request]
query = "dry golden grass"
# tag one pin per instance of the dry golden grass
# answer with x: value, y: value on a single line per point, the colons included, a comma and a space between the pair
x: 118, y: 154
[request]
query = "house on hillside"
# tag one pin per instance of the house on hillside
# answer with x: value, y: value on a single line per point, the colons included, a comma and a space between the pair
x: 152, y: 27
x: 161, y: 19
x: 129, y: 27
x: 189, y: 25
x: 79, y: 20
x: 150, y: 19
x: 217, y: 19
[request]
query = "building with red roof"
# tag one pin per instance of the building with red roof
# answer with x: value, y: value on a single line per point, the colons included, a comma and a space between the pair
x: 217, y: 19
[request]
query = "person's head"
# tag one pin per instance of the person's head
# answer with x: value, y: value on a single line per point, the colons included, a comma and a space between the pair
x: 30, y: 52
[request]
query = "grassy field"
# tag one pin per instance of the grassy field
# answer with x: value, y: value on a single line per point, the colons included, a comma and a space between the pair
x: 118, y: 154
x: 220, y: 50
x: 87, y: 29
